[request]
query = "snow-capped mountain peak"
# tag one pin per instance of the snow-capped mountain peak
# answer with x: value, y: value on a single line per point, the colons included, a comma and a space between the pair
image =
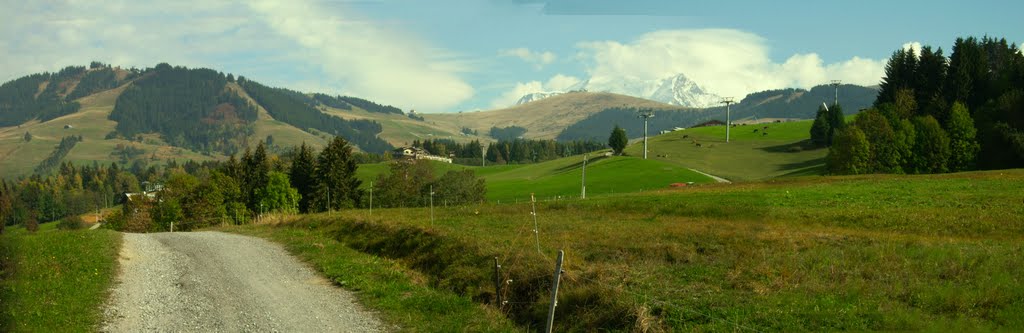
x: 537, y: 96
x: 676, y: 89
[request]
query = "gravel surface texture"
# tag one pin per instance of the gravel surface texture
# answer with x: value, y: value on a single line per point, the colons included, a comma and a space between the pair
x: 219, y: 282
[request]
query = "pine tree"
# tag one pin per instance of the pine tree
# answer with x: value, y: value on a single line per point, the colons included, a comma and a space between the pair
x: 931, y: 76
x: 821, y: 128
x: 301, y: 176
x: 900, y: 73
x: 836, y: 121
x: 336, y: 177
x: 618, y: 140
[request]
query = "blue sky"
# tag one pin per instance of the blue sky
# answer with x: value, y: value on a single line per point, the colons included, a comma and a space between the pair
x: 449, y: 55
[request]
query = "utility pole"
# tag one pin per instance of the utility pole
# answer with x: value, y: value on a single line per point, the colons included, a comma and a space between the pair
x: 647, y: 114
x: 728, y: 118
x: 836, y: 83
x: 583, y: 191
x: 371, y: 198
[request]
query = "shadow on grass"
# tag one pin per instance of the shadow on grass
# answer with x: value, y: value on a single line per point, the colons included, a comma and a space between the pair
x: 794, y: 147
x: 579, y: 164
x: 802, y: 164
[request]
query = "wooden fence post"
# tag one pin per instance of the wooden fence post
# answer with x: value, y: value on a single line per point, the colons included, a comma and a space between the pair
x: 497, y: 283
x: 554, y: 292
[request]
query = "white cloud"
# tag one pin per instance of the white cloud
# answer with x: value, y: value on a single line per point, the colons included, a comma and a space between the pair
x: 369, y: 60
x: 559, y: 82
x: 538, y: 59
x: 282, y: 43
x: 915, y: 45
x: 725, y: 62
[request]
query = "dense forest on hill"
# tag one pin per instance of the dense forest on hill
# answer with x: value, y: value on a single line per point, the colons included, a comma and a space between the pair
x: 37, y: 96
x: 99, y: 78
x: 520, y: 151
x: 50, y: 95
x: 286, y: 106
x: 187, y: 107
x: 936, y: 114
x: 370, y: 106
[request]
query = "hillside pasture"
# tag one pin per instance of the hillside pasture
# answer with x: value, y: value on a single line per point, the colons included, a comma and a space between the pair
x: 749, y: 154
x: 864, y: 253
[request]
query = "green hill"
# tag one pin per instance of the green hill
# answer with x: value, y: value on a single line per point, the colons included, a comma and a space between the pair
x: 749, y: 155
x: 561, y: 178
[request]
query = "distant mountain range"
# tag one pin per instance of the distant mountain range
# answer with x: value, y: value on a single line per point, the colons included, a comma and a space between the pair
x: 674, y: 90
x: 162, y: 113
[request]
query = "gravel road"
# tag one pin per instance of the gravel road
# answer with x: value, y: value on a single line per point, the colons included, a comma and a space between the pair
x: 218, y: 282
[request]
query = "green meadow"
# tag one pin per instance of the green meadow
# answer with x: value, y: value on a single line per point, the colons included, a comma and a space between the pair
x: 881, y: 252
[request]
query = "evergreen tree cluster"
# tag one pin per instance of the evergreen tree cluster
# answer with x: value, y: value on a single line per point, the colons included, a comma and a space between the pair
x: 827, y: 123
x: 937, y: 114
x: 195, y: 195
x: 448, y: 147
x: 95, y: 80
x: 72, y: 190
x: 38, y: 96
x: 520, y: 151
x: 985, y: 75
x: 507, y: 133
x: 331, y: 101
x: 286, y: 106
x: 58, y: 154
x: 370, y: 106
x: 188, y: 107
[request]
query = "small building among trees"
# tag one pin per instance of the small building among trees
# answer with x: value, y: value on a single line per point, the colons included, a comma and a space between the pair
x: 417, y: 153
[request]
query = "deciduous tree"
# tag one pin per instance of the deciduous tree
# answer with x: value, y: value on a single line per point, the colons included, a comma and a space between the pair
x: 962, y: 139
x: 850, y: 153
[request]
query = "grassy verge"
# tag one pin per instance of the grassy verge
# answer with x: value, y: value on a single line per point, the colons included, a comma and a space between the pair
x: 402, y: 296
x: 882, y: 252
x: 55, y: 280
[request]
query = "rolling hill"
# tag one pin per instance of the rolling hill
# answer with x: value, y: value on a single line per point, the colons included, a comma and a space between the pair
x: 748, y: 155
x: 545, y: 118
x: 175, y: 113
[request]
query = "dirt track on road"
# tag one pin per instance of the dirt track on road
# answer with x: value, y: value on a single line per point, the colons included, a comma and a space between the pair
x: 213, y: 281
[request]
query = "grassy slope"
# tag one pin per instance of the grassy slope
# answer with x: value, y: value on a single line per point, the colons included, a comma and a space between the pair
x: 936, y: 252
x: 55, y: 280
x: 543, y: 119
x: 561, y: 177
x: 400, y: 130
x: 748, y: 155
x: 284, y: 135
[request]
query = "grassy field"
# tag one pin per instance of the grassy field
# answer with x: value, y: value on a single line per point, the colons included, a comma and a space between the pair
x: 55, y: 280
x: 400, y: 130
x: 883, y: 252
x: 561, y: 178
x: 748, y: 155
